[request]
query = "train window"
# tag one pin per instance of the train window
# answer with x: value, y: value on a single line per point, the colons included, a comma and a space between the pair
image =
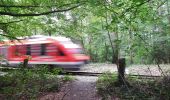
x: 28, y: 50
x: 43, y: 49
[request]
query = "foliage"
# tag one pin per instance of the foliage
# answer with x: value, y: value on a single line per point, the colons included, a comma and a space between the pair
x: 160, y: 51
x: 28, y: 83
x: 67, y: 78
x: 105, y: 83
x: 105, y: 28
x: 140, y: 89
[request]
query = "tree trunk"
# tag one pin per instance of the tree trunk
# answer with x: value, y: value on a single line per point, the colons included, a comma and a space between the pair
x: 49, y: 33
x: 25, y: 64
x: 121, y: 70
x: 130, y: 39
x: 121, y: 73
x: 106, y: 52
x: 110, y: 40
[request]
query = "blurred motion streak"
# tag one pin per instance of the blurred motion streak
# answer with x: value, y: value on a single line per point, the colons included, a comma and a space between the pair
x: 42, y: 50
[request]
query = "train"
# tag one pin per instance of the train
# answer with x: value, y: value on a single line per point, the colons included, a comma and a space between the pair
x: 44, y: 50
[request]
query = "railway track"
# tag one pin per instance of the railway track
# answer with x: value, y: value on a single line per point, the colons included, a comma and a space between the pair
x: 80, y: 73
x: 83, y: 73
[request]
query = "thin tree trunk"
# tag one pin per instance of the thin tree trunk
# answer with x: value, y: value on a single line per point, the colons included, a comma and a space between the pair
x: 25, y: 64
x: 114, y: 51
x: 130, y: 40
x: 106, y: 52
x: 49, y: 33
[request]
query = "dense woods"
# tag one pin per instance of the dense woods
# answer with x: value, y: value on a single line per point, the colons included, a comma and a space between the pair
x: 107, y: 29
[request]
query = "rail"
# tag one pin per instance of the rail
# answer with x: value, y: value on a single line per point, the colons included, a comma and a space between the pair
x: 83, y: 73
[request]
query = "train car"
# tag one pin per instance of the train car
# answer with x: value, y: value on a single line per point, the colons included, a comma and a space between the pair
x: 42, y: 50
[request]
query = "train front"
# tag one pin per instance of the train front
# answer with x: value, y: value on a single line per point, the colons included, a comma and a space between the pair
x: 74, y: 53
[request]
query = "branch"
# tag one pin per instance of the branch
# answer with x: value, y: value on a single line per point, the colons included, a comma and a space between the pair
x: 11, y: 22
x: 9, y: 36
x: 20, y: 6
x: 65, y: 94
x: 32, y: 6
x: 162, y: 3
x: 38, y: 14
x: 138, y: 5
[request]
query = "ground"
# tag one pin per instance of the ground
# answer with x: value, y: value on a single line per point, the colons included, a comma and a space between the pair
x: 84, y: 87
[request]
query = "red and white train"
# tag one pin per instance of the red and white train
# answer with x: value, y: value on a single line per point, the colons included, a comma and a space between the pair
x: 42, y: 50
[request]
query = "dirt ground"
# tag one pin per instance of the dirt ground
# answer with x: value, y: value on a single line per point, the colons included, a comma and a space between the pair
x: 82, y: 88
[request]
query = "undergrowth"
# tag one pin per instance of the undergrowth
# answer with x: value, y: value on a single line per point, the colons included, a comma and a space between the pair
x: 139, y: 89
x: 28, y: 84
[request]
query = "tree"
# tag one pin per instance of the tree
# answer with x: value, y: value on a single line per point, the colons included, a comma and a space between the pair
x: 134, y: 23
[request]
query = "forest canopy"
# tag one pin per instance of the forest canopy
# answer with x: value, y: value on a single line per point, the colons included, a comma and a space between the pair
x: 136, y: 29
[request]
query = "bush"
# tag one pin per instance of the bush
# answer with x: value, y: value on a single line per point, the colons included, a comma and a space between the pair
x: 105, y: 84
x: 140, y: 89
x: 28, y: 83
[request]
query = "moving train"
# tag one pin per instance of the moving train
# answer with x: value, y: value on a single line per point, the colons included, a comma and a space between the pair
x: 42, y: 50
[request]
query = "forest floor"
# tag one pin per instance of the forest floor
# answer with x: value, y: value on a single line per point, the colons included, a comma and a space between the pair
x: 84, y: 87
x: 81, y: 88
